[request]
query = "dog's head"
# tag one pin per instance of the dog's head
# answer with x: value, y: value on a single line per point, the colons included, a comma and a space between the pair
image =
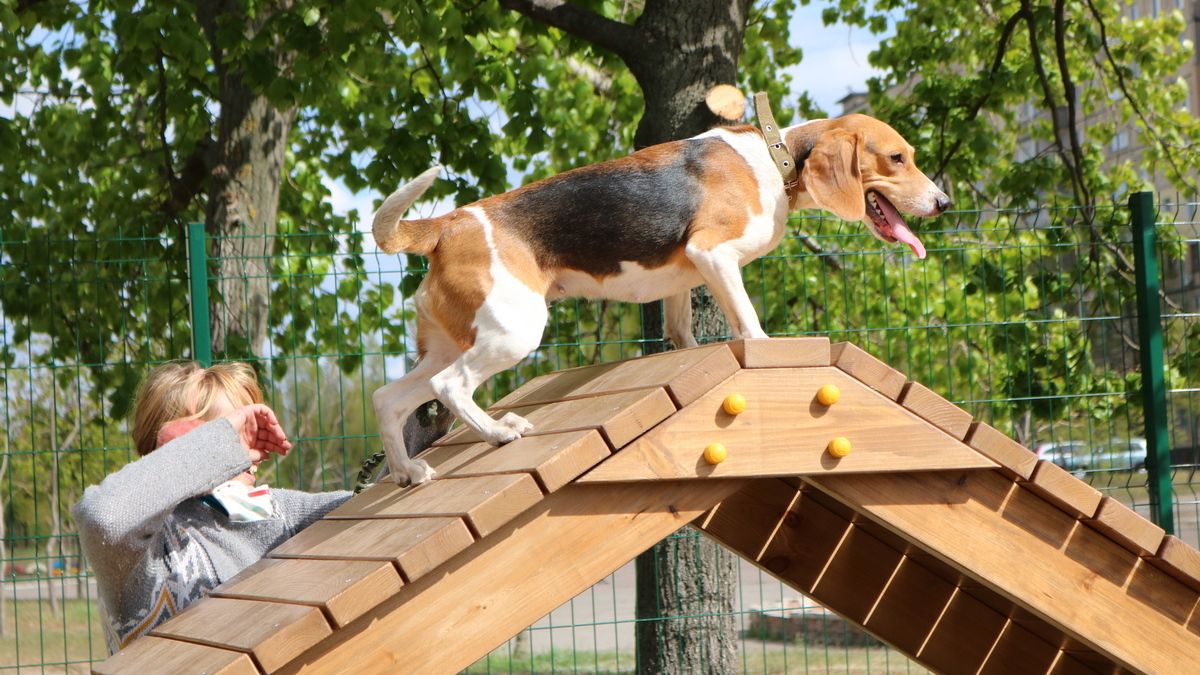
x: 859, y: 168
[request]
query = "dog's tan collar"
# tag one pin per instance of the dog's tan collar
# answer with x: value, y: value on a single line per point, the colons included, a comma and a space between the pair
x: 779, y: 152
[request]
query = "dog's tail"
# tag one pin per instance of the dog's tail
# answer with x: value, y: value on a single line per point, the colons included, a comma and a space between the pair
x: 392, y: 234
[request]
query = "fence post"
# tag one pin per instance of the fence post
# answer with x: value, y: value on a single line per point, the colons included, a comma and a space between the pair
x: 1150, y: 342
x: 198, y: 276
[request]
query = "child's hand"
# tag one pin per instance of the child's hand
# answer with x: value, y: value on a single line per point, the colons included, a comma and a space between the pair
x: 260, y: 431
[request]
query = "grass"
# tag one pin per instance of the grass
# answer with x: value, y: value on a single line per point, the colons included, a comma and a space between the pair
x: 35, y: 640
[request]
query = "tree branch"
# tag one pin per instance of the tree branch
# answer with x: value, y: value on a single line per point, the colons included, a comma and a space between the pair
x: 615, y: 36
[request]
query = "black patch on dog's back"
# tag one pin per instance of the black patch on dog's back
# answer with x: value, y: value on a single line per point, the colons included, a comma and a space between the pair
x: 637, y: 209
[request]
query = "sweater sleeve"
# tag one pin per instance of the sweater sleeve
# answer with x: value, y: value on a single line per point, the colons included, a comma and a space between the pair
x: 302, y: 509
x: 119, y: 518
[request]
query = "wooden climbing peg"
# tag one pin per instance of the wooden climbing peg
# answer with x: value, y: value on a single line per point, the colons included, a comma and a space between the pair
x: 734, y: 404
x: 715, y: 453
x: 828, y: 394
x: 839, y: 447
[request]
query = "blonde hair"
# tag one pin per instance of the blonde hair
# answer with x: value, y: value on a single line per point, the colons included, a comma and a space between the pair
x: 185, y: 389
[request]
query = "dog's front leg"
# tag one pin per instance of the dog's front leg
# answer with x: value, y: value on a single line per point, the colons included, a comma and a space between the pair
x: 394, y: 403
x: 722, y: 272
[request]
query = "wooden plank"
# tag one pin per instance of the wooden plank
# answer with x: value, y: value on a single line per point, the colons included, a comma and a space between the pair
x: 1156, y: 588
x: 1179, y: 560
x: 784, y: 432
x: 415, y: 545
x: 1019, y: 651
x: 1054, y: 484
x: 782, y: 352
x: 344, y: 589
x: 910, y: 606
x: 1013, y: 458
x: 1030, y: 552
x: 554, y: 459
x: 150, y: 654
x: 485, y: 502
x: 938, y: 411
x: 618, y: 417
x: 569, y: 541
x: 1126, y: 527
x: 685, y: 374
x: 803, y: 544
x: 963, y: 637
x: 747, y: 520
x: 1082, y: 663
x: 273, y: 633
x: 869, y: 370
x: 856, y: 575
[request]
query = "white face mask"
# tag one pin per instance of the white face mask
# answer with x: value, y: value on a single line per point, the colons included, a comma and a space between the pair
x: 245, y: 503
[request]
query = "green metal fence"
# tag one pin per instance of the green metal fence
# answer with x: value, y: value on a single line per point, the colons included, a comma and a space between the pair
x: 1028, y: 318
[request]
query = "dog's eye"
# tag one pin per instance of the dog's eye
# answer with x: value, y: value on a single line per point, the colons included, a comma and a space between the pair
x: 898, y: 158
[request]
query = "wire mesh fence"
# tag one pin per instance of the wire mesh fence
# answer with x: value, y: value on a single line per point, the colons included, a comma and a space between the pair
x: 1024, y: 317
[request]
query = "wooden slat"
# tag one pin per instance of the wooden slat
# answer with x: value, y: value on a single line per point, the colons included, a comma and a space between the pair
x: 1179, y: 559
x: 273, y: 633
x: 486, y: 502
x: 747, y: 520
x: 910, y: 606
x: 1126, y: 527
x: 1057, y: 486
x: 618, y: 417
x: 446, y: 621
x: 1013, y: 458
x: 938, y: 411
x: 1082, y: 663
x: 416, y: 545
x: 856, y: 575
x: 1019, y: 651
x: 782, y: 352
x: 554, y: 460
x: 868, y: 369
x: 343, y: 588
x: 150, y: 654
x: 1029, y: 552
x: 784, y: 432
x: 963, y: 636
x: 686, y: 374
x: 1156, y: 588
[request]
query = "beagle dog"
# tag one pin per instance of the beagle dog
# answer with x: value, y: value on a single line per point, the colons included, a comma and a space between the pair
x: 648, y: 226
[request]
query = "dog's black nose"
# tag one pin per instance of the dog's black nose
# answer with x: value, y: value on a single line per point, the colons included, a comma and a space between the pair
x: 944, y: 204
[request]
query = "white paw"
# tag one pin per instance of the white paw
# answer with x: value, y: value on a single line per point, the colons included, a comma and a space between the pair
x: 508, y: 429
x: 414, y: 472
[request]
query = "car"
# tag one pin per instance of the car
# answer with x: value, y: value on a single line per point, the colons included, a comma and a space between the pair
x: 1070, y: 455
x: 1122, y: 454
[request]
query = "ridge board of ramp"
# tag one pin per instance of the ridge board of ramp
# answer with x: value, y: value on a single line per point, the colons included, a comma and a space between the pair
x: 784, y: 431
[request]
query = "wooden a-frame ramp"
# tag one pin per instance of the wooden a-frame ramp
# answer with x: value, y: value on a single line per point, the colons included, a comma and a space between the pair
x: 937, y: 534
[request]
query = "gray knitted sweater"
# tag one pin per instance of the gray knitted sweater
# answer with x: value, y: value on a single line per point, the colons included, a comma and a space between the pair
x: 155, y: 547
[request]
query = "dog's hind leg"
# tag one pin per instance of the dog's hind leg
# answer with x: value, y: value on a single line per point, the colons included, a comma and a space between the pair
x: 723, y: 274
x: 394, y: 402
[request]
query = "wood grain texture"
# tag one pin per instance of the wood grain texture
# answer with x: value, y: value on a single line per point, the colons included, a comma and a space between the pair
x: 1179, y: 559
x: 684, y: 373
x: 938, y: 411
x: 784, y: 432
x: 415, y: 545
x: 962, y: 637
x: 554, y: 459
x: 448, y: 620
x: 618, y: 417
x: 1126, y: 527
x: 150, y: 654
x: 272, y: 632
x: 910, y: 606
x: 1057, y: 486
x: 1013, y: 458
x: 345, y: 589
x: 485, y: 502
x: 1031, y: 553
x: 867, y: 369
x: 782, y: 352
x: 1019, y: 650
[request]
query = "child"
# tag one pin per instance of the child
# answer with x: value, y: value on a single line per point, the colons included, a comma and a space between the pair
x: 166, y: 529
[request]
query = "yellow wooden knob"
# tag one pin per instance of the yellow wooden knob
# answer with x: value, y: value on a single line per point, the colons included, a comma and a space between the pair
x: 828, y: 394
x: 839, y: 447
x: 715, y: 453
x: 734, y: 404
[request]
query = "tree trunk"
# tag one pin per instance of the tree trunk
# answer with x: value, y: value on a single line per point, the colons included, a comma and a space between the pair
x: 243, y: 197
x: 677, y: 50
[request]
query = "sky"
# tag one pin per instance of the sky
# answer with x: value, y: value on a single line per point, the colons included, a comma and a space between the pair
x: 834, y: 64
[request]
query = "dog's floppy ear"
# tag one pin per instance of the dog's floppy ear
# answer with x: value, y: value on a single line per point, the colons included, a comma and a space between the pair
x: 832, y: 177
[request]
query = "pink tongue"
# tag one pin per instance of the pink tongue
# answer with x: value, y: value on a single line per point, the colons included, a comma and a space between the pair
x: 899, y: 230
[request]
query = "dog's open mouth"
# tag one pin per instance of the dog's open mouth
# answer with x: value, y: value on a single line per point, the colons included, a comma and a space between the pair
x: 889, y: 225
